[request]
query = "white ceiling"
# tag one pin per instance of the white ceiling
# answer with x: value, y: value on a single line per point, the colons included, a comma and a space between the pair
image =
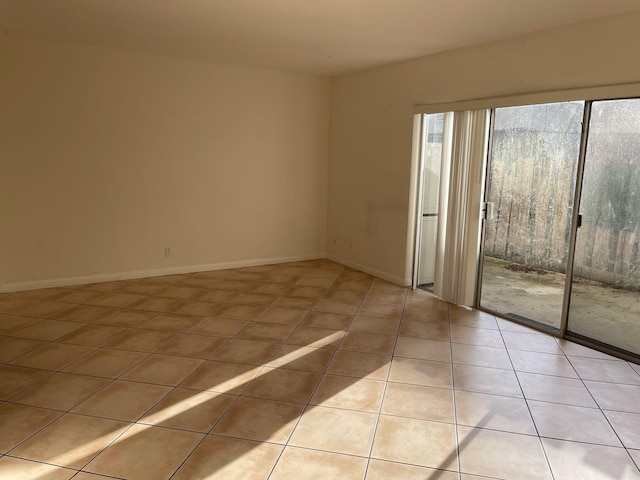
x: 316, y: 36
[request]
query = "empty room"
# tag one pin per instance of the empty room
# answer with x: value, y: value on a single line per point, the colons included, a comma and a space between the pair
x: 319, y: 240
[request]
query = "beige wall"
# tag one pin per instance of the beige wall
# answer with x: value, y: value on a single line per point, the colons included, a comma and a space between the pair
x: 108, y: 156
x: 371, y: 122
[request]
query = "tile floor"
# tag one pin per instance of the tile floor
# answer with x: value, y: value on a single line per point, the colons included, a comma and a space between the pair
x: 304, y: 370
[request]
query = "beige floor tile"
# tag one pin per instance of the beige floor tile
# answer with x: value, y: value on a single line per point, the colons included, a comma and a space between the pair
x: 617, y: 371
x: 370, y: 324
x: 245, y: 351
x: 368, y: 343
x: 43, y: 309
x: 543, y: 363
x: 182, y: 292
x: 345, y: 296
x: 269, y: 288
x: 18, y: 422
x: 423, y: 349
x: 375, y: 309
x: 219, y: 327
x: 217, y: 458
x: 303, y: 464
x: 61, y: 391
x: 415, y: 312
x: 193, y: 346
x: 240, y: 312
x: 117, y: 300
x: 13, y: 323
x: 265, y: 332
x: 11, y: 304
x: 155, y: 304
x: 188, y: 409
x: 425, y: 403
x: 383, y: 470
x: 476, y: 336
x: 195, y: 307
x: 260, y: 419
x: 305, y: 359
x: 221, y: 377
x: 170, y: 322
x: 349, y: 393
x: 421, y: 372
x: 494, y: 412
x: 360, y: 365
x: 315, y: 337
x: 335, y: 321
x: 218, y: 296
x: 11, y: 347
x: 126, y: 318
x: 306, y: 292
x: 145, y: 452
x: 502, y: 455
x: 419, y: 442
x: 612, y: 396
x: 294, y: 302
x: 84, y: 313
x: 532, y: 342
x: 335, y: 430
x: 48, y: 330
x: 473, y: 318
x: 95, y: 335
x: 568, y: 422
x: 32, y: 470
x: 426, y: 331
x: 90, y: 476
x: 635, y: 455
x: 486, y: 380
x: 573, y: 460
x: 627, y: 426
x: 122, y: 400
x: 337, y: 307
x: 53, y: 356
x: 480, y: 356
x: 546, y: 388
x: 15, y: 379
x: 255, y: 299
x: 163, y: 369
x: 106, y: 362
x: 139, y: 340
x: 309, y: 281
x: 71, y: 440
x: 285, y: 316
x: 285, y: 385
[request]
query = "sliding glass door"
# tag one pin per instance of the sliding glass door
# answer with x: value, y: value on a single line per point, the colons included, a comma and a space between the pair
x: 605, y: 290
x: 531, y: 177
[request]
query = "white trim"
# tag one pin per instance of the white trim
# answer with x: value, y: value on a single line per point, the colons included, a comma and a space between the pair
x: 110, y: 277
x: 403, y: 282
x: 596, y: 92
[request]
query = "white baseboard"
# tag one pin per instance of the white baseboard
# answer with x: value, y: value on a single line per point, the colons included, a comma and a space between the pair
x: 403, y: 282
x: 110, y: 277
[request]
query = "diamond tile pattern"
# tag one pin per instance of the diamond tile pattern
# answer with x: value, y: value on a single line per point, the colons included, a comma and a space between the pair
x: 299, y: 370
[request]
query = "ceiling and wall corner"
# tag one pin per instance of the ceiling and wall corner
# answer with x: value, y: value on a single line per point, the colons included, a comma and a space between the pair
x: 330, y: 37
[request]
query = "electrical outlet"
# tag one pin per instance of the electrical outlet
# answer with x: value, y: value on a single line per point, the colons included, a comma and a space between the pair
x: 167, y: 251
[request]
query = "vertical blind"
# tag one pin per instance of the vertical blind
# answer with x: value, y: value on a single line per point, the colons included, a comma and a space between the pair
x: 465, y: 140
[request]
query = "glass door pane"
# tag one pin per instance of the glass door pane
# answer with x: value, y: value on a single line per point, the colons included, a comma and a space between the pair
x: 605, y: 293
x: 530, y: 186
x: 431, y: 187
